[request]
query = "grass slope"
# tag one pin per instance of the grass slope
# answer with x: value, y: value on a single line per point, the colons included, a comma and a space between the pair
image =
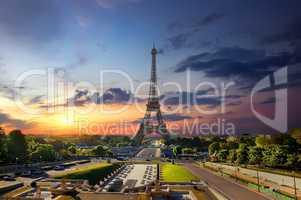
x: 93, y: 173
x: 176, y: 173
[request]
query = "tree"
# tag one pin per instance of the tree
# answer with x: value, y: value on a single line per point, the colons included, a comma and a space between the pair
x: 296, y: 134
x: 242, y: 154
x: 232, y: 139
x: 247, y: 139
x: 16, y: 146
x: 232, y: 156
x: 222, y: 155
x: 255, y: 155
x: 176, y: 150
x: 3, y: 150
x: 232, y: 145
x: 72, y: 149
x: 213, y: 148
x: 292, y: 161
x: 109, y: 152
x: 262, y: 140
x: 286, y: 140
x: 275, y: 155
x: 44, y: 152
x: 187, y: 151
x: 99, y: 151
x: 32, y: 144
x: 64, y: 154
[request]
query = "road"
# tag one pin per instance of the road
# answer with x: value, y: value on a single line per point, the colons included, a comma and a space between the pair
x: 269, y: 177
x: 230, y: 189
x: 52, y: 173
x: 149, y: 153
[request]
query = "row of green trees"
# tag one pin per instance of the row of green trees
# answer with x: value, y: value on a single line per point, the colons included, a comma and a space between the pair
x: 276, y: 151
x: 15, y: 147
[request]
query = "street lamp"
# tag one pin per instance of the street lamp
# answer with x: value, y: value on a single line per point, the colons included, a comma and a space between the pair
x: 16, y: 163
x: 236, y: 172
x: 295, y: 187
x: 257, y: 172
x: 294, y: 177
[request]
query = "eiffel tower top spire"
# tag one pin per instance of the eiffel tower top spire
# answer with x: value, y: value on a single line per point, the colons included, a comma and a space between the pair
x: 154, y: 50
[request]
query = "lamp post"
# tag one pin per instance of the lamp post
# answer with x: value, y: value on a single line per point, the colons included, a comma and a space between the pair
x: 237, y: 173
x: 257, y: 172
x: 295, y: 187
x: 221, y: 170
x: 294, y: 177
x: 16, y: 163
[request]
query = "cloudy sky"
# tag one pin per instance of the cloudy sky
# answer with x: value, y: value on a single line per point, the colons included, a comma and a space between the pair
x: 208, y: 42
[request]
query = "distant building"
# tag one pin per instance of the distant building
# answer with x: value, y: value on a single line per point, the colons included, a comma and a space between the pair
x: 128, y: 151
x: 85, y: 146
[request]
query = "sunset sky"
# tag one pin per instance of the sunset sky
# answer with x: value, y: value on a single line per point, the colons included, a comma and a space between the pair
x: 82, y: 66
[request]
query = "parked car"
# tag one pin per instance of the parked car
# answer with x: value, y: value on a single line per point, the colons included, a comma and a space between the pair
x: 121, y: 158
x: 59, y: 167
x: 26, y: 174
x: 47, y: 168
x: 8, y: 178
x: 36, y: 172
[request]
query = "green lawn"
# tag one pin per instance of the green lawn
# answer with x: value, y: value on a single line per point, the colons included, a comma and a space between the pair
x: 176, y: 173
x: 93, y: 173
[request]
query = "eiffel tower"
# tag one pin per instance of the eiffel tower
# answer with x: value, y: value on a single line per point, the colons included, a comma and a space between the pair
x: 152, y: 123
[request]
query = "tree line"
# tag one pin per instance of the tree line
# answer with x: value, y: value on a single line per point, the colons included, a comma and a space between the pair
x: 18, y: 148
x: 275, y: 151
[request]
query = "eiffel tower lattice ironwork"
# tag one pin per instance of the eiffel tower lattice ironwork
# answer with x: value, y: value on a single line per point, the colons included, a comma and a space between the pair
x: 152, y: 122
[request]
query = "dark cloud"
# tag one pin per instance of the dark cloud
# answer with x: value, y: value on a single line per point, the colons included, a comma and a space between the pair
x: 236, y: 62
x: 176, y: 117
x: 179, y: 41
x: 270, y: 100
x: 188, y: 98
x: 30, y: 20
x: 37, y: 99
x: 209, y: 19
x: 12, y: 122
x: 290, y: 34
x: 234, y: 103
x: 112, y: 95
x: 116, y: 95
x: 293, y: 80
x: 168, y: 117
x: 186, y: 30
x: 80, y: 98
x: 83, y: 97
x: 7, y: 92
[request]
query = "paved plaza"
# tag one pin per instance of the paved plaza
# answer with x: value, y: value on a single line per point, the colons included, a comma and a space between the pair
x: 136, y: 175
